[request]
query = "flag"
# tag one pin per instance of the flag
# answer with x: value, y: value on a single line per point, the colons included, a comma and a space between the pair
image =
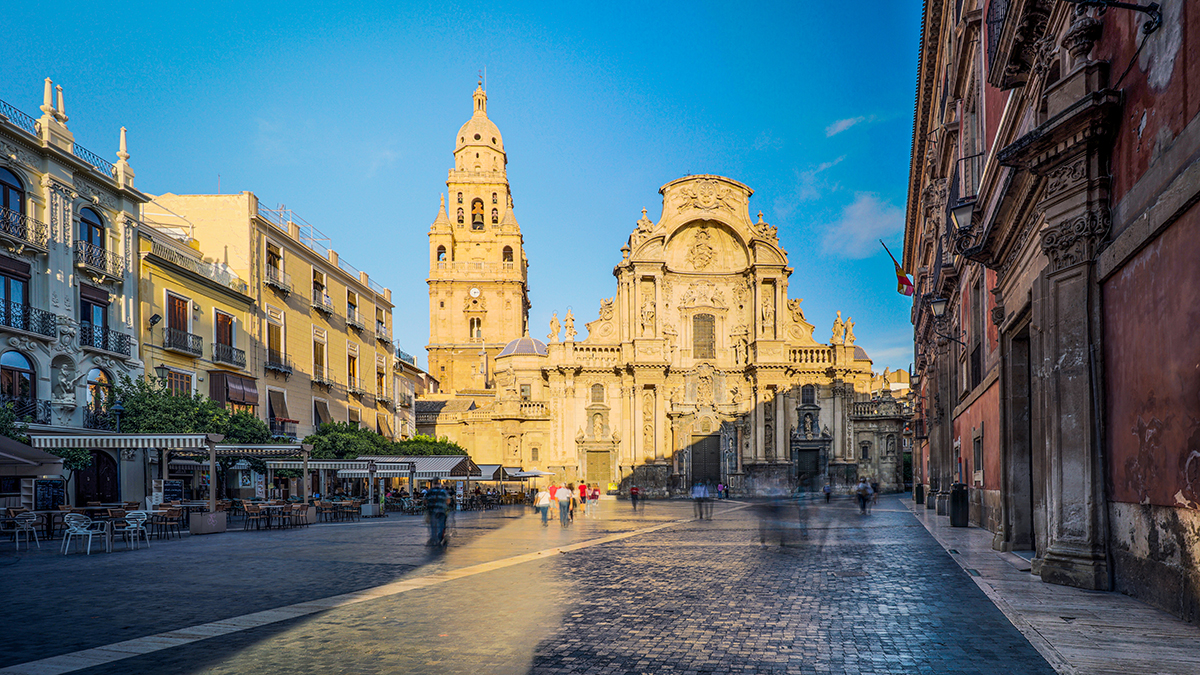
x: 904, y: 285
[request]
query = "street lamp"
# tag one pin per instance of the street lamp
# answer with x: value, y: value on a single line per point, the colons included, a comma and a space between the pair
x: 117, y: 410
x: 962, y: 214
x: 162, y: 372
x: 937, y: 307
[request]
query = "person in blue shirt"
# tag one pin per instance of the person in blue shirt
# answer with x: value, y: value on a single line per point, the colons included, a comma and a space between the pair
x: 437, y: 501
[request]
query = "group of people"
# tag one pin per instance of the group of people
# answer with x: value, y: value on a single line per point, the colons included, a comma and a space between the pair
x: 568, y: 498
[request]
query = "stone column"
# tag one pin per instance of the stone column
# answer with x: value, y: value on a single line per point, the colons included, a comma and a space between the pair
x: 760, y: 448
x: 780, y: 427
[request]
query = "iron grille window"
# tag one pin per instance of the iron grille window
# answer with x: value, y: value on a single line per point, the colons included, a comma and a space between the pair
x: 704, y: 336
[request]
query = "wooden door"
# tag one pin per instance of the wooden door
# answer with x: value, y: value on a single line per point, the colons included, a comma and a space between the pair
x: 706, y: 459
x: 177, y: 313
x: 599, y: 468
x: 98, y: 482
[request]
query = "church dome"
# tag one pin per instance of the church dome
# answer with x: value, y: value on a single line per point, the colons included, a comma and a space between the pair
x: 479, y: 130
x: 524, y: 345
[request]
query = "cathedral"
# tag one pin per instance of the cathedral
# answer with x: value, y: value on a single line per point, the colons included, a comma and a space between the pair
x: 700, y: 368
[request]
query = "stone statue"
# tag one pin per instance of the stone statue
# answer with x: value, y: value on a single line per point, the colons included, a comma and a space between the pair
x: 886, y: 384
x: 65, y: 381
x: 569, y: 327
x: 553, y: 336
x: 849, y: 331
x: 597, y: 426
x: 648, y: 319
x: 768, y: 315
x: 839, y: 330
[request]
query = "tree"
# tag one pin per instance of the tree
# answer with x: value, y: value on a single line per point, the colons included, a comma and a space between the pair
x: 339, y: 440
x: 428, y: 445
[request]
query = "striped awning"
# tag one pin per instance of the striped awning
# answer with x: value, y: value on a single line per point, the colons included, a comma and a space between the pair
x: 391, y: 473
x: 124, y: 441
x: 328, y: 464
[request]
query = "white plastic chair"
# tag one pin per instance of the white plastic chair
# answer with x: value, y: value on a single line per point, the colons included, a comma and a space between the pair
x: 135, y: 524
x: 79, y: 526
x: 25, y: 524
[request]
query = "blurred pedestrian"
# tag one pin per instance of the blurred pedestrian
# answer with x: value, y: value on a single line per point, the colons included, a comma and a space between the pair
x: 862, y: 494
x: 437, y: 501
x: 699, y: 496
x: 563, y: 497
x: 542, y: 503
x: 574, y: 500
x: 828, y: 490
x: 634, y: 493
x: 593, y: 500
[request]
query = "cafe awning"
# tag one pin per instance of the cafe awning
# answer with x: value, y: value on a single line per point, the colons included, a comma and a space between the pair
x: 123, y: 441
x: 16, y: 453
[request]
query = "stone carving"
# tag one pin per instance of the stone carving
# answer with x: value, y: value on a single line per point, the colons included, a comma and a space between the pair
x: 66, y: 377
x: 849, y: 338
x: 1044, y: 52
x: 22, y: 344
x: 1065, y: 176
x: 839, y: 330
x: 795, y: 309
x: 1084, y: 32
x: 702, y: 293
x: 707, y: 195
x: 94, y: 194
x: 569, y: 326
x: 933, y: 197
x: 672, y: 336
x: 1030, y: 27
x: 765, y: 230
x: 554, y: 328
x: 648, y: 423
x: 597, y: 426
x: 1075, y: 240
x: 514, y: 446
x: 768, y: 314
x: 606, y: 309
x: 475, y: 304
x: 68, y: 336
x: 704, y: 388
x: 701, y: 255
x: 648, y: 319
x: 19, y: 155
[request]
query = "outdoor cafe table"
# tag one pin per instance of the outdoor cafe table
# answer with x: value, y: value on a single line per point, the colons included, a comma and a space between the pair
x: 272, y: 510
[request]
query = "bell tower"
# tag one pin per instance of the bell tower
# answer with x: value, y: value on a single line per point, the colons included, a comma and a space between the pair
x: 478, y: 290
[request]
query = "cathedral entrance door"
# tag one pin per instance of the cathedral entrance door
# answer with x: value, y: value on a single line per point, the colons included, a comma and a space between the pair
x: 599, y: 468
x: 808, y: 469
x: 706, y: 459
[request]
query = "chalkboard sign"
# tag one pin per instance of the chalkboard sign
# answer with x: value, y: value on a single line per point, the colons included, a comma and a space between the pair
x: 49, y: 494
x: 10, y: 485
x: 172, y: 490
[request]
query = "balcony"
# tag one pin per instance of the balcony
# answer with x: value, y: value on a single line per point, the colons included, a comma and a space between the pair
x: 21, y: 232
x: 28, y: 410
x: 278, y: 362
x: 383, y: 334
x: 354, y: 385
x: 229, y: 355
x: 278, y: 279
x: 100, y: 337
x: 282, y: 428
x: 29, y: 319
x: 404, y: 400
x: 384, y: 398
x: 102, y: 165
x: 97, y: 417
x: 99, y: 261
x: 355, y: 320
x: 322, y: 302
x: 323, y: 377
x: 215, y: 273
x: 176, y: 340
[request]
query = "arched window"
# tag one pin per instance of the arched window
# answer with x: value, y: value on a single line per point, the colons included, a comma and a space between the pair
x: 507, y: 253
x: 460, y: 198
x: 704, y: 336
x: 495, y: 216
x: 866, y: 450
x: 597, y: 393
x: 477, y: 328
x: 91, y: 228
x: 495, y: 198
x: 808, y: 395
x: 460, y: 215
x: 99, y: 389
x: 17, y: 380
x: 477, y: 214
x: 441, y: 254
x: 12, y: 194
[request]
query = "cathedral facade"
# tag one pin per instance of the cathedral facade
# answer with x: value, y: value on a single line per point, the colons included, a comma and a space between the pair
x: 700, y: 368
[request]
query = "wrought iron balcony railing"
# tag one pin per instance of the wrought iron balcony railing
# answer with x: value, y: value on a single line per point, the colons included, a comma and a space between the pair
x: 102, y: 165
x: 97, y: 259
x: 277, y: 279
x: 384, y: 398
x: 278, y: 361
x: 97, y: 417
x: 100, y: 337
x: 26, y: 123
x: 383, y: 334
x: 26, y: 318
x: 322, y: 302
x: 216, y: 273
x: 281, y: 428
x: 355, y: 320
x: 29, y: 410
x: 321, y: 375
x: 354, y: 385
x: 228, y: 354
x: 177, y: 340
x: 23, y: 230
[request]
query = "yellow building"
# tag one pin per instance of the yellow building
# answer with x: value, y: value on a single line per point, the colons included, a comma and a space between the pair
x: 320, y: 329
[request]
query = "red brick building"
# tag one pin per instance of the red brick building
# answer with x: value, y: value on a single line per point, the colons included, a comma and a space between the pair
x: 1053, y: 214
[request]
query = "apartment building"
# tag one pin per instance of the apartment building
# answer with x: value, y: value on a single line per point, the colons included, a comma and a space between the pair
x: 68, y: 287
x: 411, y: 381
x: 197, y: 312
x: 320, y: 328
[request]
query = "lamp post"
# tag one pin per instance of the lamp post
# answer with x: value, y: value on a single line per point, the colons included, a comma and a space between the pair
x: 937, y: 307
x: 117, y: 410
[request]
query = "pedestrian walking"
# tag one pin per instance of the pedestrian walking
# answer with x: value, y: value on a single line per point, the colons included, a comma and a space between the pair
x: 542, y: 503
x: 593, y: 500
x: 871, y: 496
x: 862, y: 493
x: 563, y: 496
x: 828, y: 490
x: 634, y: 493
x: 437, y: 502
x: 574, y: 501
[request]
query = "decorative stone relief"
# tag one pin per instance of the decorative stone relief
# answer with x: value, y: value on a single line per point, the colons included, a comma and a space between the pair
x: 707, y: 195
x: 648, y: 423
x: 19, y: 155
x: 768, y: 311
x: 22, y: 344
x: 648, y: 319
x: 68, y: 336
x: 66, y: 378
x: 1075, y: 240
x: 795, y: 310
x: 93, y: 193
x: 701, y: 254
x: 1066, y: 176
x: 606, y: 309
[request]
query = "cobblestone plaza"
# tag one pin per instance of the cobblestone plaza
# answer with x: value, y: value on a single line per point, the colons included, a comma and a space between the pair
x: 646, y: 592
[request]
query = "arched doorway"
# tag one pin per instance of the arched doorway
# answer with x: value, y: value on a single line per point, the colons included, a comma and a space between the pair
x: 98, y: 482
x: 706, y: 459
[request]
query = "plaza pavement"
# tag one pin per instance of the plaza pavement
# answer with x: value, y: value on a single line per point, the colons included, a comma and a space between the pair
x: 647, y: 592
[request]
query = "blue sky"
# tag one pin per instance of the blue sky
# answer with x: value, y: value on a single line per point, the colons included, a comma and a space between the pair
x: 346, y: 113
